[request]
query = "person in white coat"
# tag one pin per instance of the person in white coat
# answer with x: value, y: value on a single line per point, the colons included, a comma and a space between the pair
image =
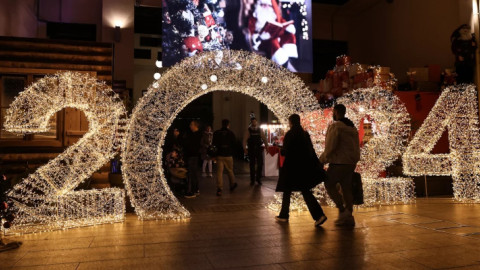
x: 342, y: 152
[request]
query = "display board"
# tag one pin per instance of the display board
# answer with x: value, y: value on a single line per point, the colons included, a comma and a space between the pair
x: 278, y: 30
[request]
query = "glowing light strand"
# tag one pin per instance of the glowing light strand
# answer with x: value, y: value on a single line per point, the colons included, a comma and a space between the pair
x: 457, y: 111
x: 390, y: 133
x: 283, y: 92
x: 45, y: 200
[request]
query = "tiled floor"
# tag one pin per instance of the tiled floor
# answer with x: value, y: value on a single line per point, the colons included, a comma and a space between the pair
x: 237, y: 231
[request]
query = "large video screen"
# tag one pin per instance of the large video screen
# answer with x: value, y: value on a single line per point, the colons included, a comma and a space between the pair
x: 277, y: 29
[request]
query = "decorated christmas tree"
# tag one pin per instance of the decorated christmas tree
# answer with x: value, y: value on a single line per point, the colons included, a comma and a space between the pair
x: 191, y: 27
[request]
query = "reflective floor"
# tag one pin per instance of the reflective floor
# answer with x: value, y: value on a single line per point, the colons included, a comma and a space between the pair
x: 237, y: 231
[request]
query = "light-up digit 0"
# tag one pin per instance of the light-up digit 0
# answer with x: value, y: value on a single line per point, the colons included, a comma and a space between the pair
x: 282, y: 91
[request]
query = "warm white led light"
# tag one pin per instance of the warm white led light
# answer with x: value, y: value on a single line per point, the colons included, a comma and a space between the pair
x: 45, y: 200
x: 456, y: 110
x: 178, y: 87
x: 392, y: 127
x: 156, y: 76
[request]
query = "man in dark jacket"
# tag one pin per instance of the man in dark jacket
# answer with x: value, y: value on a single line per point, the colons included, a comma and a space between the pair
x: 192, y: 145
x: 252, y: 145
x: 224, y: 141
x: 342, y: 152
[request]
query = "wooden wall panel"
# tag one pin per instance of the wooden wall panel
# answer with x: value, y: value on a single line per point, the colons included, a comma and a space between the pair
x: 44, y: 56
x: 58, y: 55
x: 76, y: 125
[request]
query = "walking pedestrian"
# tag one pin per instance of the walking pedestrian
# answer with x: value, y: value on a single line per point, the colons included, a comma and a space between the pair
x: 299, y: 171
x: 252, y: 145
x: 224, y: 141
x: 192, y: 155
x: 342, y: 152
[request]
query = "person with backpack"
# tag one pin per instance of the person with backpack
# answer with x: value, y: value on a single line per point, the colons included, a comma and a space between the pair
x: 342, y: 152
x: 252, y: 145
x: 224, y: 142
x: 301, y: 171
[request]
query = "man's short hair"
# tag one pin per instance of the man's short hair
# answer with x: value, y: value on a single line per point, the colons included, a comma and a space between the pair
x: 225, y: 123
x: 341, y: 109
x: 252, y: 118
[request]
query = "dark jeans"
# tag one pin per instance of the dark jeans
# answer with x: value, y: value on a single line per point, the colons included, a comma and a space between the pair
x: 193, y: 174
x: 342, y: 174
x: 313, y: 206
x: 256, y: 158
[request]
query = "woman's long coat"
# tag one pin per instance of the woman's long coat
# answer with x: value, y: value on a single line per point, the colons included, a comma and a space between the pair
x: 301, y: 169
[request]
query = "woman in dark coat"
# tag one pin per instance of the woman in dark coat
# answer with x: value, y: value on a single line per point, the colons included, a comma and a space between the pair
x: 301, y: 171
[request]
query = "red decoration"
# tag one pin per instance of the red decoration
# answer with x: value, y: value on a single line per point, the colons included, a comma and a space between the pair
x: 272, y: 150
x: 3, y: 206
x: 193, y: 44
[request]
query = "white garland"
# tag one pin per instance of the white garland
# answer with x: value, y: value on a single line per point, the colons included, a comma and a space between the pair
x: 390, y: 133
x: 457, y: 111
x: 45, y: 200
x: 283, y: 92
x: 391, y: 128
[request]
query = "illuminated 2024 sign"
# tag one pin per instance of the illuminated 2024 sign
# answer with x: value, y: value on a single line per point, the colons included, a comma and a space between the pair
x: 46, y: 200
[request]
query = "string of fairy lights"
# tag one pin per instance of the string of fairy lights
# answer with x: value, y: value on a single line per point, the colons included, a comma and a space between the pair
x: 45, y: 200
x: 456, y: 110
x: 283, y: 92
x: 390, y: 124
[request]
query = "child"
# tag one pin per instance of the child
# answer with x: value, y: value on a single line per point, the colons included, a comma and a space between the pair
x: 207, y: 160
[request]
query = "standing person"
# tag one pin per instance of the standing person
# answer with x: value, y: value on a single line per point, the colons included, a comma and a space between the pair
x: 207, y: 160
x: 224, y: 141
x: 252, y: 145
x: 342, y: 152
x: 174, y: 141
x: 298, y: 172
x: 177, y: 139
x: 192, y: 153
